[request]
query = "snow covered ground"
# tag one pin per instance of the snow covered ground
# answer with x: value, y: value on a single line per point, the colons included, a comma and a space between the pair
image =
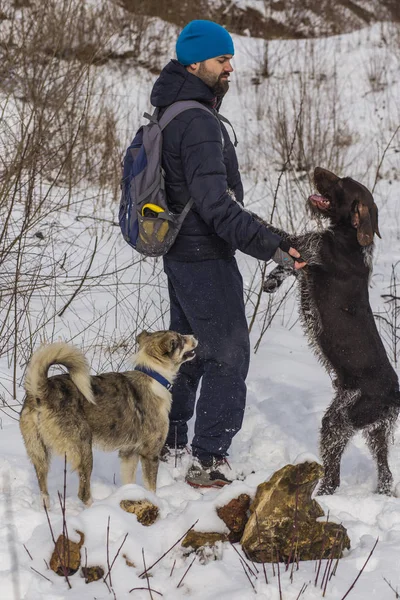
x: 288, y: 390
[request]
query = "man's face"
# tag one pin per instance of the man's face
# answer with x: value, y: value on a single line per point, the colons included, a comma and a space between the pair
x: 214, y: 72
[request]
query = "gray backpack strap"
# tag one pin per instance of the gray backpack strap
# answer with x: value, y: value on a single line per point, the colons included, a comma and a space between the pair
x: 225, y: 120
x: 153, y: 118
x: 170, y: 113
x: 177, y: 108
x: 185, y: 210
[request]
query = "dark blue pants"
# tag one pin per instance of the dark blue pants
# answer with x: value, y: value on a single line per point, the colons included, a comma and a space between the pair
x: 206, y: 299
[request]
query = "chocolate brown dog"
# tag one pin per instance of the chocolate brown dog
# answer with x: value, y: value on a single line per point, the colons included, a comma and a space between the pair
x: 340, y: 326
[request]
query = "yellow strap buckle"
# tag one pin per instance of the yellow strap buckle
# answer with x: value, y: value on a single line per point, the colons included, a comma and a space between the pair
x: 151, y: 207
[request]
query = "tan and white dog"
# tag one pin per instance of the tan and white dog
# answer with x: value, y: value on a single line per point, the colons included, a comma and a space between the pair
x: 66, y: 414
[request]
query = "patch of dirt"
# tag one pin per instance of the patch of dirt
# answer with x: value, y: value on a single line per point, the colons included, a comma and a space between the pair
x: 281, y: 19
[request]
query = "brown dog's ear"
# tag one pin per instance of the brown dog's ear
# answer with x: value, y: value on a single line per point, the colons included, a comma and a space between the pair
x: 141, y: 337
x: 374, y: 220
x: 324, y: 176
x: 365, y: 233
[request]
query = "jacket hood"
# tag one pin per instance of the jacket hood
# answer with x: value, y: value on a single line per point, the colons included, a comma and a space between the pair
x: 176, y: 83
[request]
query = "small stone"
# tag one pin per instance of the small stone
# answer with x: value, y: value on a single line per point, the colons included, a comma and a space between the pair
x: 145, y: 511
x: 92, y: 573
x: 235, y: 515
x: 197, y: 539
x: 66, y: 557
x: 128, y: 561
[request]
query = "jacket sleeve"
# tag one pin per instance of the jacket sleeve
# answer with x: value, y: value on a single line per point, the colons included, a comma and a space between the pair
x: 206, y: 177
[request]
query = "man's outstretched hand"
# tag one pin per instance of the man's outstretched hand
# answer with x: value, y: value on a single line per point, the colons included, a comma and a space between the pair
x: 288, y: 257
x: 297, y: 264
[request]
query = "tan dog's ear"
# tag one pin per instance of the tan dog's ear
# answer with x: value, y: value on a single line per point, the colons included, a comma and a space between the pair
x: 141, y: 337
x: 362, y: 220
x: 169, y: 343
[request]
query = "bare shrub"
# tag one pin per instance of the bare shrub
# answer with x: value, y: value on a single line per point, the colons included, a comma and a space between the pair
x: 376, y: 73
x: 310, y: 113
x: 299, y: 124
x: 60, y: 161
x: 390, y: 316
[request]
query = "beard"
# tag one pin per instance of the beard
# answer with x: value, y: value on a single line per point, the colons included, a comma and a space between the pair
x: 218, y: 84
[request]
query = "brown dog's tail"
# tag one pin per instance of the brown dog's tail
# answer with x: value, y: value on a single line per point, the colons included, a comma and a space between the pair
x: 59, y: 353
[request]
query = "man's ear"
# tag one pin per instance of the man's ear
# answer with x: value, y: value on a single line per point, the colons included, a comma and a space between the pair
x: 193, y: 68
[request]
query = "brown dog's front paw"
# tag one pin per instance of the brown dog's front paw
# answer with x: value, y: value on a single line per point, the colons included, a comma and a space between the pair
x: 385, y: 491
x: 385, y: 487
x: 276, y: 277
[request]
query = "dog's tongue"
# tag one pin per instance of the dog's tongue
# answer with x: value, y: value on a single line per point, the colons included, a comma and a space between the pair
x: 320, y: 201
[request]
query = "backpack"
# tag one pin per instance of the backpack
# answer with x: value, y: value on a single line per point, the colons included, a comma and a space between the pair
x: 146, y: 222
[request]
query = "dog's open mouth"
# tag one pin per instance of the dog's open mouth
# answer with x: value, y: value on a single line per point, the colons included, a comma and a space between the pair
x: 319, y: 202
x: 189, y: 355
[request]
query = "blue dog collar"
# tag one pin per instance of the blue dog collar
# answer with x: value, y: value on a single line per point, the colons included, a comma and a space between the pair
x: 167, y: 384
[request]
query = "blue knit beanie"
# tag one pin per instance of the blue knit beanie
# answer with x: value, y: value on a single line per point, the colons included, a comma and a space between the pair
x: 201, y: 40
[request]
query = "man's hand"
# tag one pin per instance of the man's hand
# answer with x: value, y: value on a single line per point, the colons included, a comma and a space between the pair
x: 297, y: 264
x: 286, y: 257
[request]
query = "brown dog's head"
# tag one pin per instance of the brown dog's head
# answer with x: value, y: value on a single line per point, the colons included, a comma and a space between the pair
x: 167, y: 347
x: 344, y: 200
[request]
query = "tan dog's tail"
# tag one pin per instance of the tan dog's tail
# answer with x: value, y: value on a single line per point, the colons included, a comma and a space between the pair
x: 59, y: 353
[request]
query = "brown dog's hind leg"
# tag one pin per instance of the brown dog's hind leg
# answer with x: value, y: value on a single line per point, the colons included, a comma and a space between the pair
x: 336, y: 431
x: 377, y: 438
x: 150, y: 470
x: 129, y: 463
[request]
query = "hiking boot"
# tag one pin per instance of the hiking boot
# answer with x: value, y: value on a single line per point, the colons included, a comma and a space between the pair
x: 169, y: 453
x: 207, y: 473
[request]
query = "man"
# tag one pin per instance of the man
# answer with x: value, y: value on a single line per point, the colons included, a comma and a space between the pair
x: 204, y: 283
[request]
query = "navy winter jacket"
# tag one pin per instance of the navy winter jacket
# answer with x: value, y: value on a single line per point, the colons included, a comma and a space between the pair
x: 198, y: 166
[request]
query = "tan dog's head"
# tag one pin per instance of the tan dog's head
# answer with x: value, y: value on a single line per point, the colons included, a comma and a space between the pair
x: 346, y: 201
x: 167, y: 348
